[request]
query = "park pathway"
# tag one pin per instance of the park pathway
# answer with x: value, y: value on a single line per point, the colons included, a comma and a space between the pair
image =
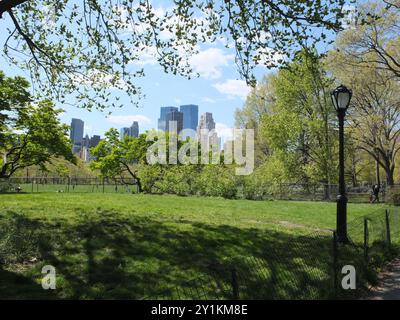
x: 389, y: 284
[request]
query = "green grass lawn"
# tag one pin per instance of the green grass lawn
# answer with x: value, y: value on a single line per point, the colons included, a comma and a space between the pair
x: 138, y: 246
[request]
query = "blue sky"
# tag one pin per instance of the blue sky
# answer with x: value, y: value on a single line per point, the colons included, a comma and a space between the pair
x: 218, y: 90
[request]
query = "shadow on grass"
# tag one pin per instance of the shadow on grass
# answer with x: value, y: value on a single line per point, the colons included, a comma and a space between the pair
x: 104, y: 255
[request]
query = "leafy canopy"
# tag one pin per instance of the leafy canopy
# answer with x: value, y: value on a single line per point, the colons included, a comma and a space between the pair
x: 87, y: 49
x: 36, y: 137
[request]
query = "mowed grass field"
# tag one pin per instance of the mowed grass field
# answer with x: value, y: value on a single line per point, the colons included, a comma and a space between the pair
x: 144, y: 246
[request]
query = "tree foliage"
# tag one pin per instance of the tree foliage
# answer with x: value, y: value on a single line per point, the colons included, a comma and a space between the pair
x: 374, y: 115
x: 119, y: 158
x: 89, y: 48
x: 36, y: 137
x: 257, y: 105
x: 373, y: 38
x: 300, y: 125
x: 14, y: 96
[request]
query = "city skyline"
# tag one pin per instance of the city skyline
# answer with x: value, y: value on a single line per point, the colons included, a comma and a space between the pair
x: 224, y: 132
x: 218, y: 89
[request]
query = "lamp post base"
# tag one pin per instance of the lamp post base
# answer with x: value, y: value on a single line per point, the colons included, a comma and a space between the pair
x: 341, y: 216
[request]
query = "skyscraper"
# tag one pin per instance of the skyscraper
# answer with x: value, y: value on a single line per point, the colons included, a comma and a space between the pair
x: 206, y: 121
x: 94, y: 141
x: 176, y: 116
x: 124, y: 132
x: 86, y: 141
x: 207, y: 139
x: 134, y: 129
x: 190, y: 117
x: 162, y: 125
x: 76, y: 134
x: 76, y: 131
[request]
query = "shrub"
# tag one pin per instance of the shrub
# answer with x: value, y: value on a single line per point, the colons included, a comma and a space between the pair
x: 217, y: 181
x: 393, y: 196
x: 6, y: 186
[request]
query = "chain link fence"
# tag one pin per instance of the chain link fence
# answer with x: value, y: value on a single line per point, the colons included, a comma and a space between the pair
x: 68, y: 184
x: 299, y: 269
x: 326, y: 192
x: 285, y: 191
x: 306, y: 267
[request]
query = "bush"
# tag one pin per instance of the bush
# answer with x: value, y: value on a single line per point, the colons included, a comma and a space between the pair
x: 255, y: 186
x: 179, y: 179
x: 217, y: 181
x: 6, y: 186
x: 393, y: 196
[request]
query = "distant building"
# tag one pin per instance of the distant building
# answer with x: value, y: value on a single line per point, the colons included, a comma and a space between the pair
x: 132, y: 131
x: 85, y: 154
x: 162, y: 124
x: 124, y: 132
x: 206, y: 121
x: 76, y: 134
x: 210, y: 138
x: 86, y: 141
x: 174, y: 118
x: 76, y: 131
x: 94, y: 141
x: 80, y: 144
x: 190, y: 117
x: 135, y: 129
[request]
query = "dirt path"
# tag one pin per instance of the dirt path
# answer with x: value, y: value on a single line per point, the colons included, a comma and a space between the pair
x: 389, y: 284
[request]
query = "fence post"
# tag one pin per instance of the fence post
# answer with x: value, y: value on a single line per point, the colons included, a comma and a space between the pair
x: 366, y: 240
x: 235, y: 285
x: 388, y: 240
x: 335, y: 264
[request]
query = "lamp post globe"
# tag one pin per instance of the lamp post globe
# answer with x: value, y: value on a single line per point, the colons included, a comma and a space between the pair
x: 341, y: 97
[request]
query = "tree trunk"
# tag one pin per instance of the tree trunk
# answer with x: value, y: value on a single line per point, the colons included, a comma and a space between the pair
x: 139, y: 184
x: 389, y: 176
x: 378, y: 178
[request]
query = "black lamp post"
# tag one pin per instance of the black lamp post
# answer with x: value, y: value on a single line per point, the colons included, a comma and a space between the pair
x: 341, y: 99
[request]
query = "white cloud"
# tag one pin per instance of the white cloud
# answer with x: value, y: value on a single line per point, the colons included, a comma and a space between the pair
x: 96, y: 79
x: 128, y: 119
x: 147, y: 57
x: 209, y: 100
x: 208, y: 63
x: 233, y: 88
x: 225, y: 132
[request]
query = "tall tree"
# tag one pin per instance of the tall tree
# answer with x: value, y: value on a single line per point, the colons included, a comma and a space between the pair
x: 300, y: 125
x: 88, y: 48
x: 375, y: 112
x: 250, y: 115
x: 118, y: 158
x: 374, y: 37
x: 14, y: 96
x: 36, y: 137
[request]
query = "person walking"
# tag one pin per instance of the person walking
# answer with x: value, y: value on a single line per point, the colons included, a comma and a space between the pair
x: 375, y: 190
